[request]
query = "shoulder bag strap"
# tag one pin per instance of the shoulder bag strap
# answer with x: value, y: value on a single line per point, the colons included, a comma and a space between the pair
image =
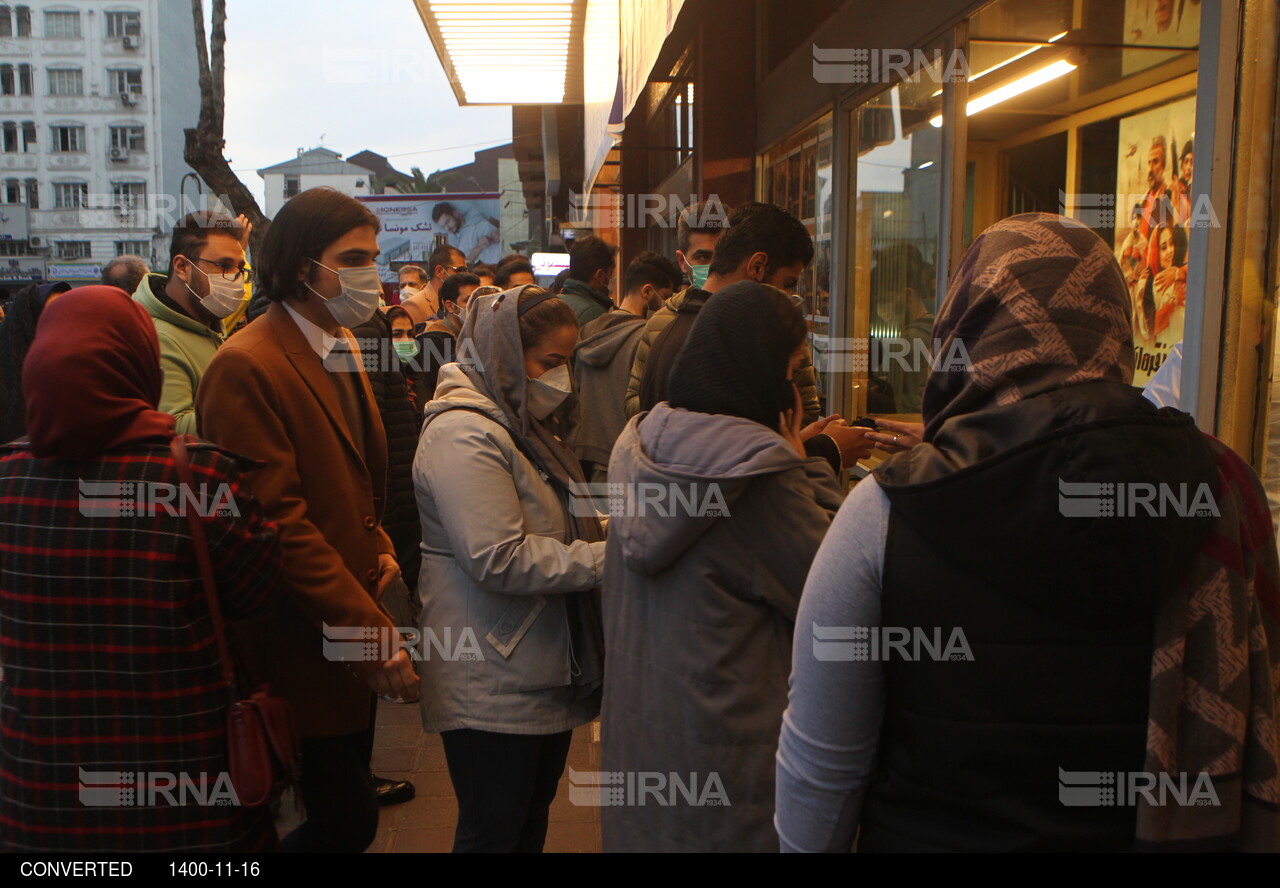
x: 178, y: 447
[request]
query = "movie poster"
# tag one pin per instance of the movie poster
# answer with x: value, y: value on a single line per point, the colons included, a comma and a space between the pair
x: 1154, y: 212
x: 413, y: 224
x: 1158, y: 23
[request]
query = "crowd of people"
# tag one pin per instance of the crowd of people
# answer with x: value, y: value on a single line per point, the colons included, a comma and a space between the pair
x: 420, y: 469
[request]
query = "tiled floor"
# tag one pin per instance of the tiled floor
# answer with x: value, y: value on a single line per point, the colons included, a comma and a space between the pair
x: 403, y: 751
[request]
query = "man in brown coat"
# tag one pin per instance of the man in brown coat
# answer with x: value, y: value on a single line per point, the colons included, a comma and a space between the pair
x: 288, y: 391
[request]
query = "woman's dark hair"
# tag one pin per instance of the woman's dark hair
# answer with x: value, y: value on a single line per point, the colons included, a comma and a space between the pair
x: 303, y: 230
x: 395, y: 312
x: 539, y: 321
x: 1179, y: 235
x: 17, y: 331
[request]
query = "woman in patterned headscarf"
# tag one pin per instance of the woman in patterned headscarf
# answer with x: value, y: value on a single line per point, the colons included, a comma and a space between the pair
x: 1086, y: 586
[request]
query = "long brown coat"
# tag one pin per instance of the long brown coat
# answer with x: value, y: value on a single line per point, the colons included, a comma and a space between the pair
x: 267, y: 395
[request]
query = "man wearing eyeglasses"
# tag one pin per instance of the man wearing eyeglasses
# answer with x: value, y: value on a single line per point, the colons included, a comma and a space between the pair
x: 207, y: 282
x: 423, y: 303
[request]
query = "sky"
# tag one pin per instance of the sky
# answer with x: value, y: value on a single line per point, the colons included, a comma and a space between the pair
x: 348, y: 76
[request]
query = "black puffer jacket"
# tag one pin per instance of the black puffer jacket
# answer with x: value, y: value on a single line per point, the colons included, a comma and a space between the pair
x: 402, y: 423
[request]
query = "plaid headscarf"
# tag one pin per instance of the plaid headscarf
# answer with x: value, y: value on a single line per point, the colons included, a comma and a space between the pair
x: 1038, y: 303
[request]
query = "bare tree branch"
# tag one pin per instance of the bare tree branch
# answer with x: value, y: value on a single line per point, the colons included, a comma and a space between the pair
x: 206, y: 143
x: 202, y: 59
x: 218, y: 68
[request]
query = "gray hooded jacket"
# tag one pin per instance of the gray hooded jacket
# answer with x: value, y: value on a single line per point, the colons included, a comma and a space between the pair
x: 698, y: 610
x: 602, y: 368
x: 500, y: 557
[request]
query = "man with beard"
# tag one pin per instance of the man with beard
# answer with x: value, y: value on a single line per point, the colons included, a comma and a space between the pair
x: 1157, y: 208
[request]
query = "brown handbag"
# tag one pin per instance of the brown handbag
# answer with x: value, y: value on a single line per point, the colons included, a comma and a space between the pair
x: 262, y: 736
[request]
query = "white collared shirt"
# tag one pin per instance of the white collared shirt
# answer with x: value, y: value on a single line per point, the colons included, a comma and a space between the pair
x: 321, y: 342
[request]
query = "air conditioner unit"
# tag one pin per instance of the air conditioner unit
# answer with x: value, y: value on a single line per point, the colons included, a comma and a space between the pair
x: 37, y: 241
x: 131, y: 42
x: 119, y: 154
x: 129, y: 98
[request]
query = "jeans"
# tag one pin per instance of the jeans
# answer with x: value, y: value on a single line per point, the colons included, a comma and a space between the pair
x: 342, y: 811
x: 504, y: 784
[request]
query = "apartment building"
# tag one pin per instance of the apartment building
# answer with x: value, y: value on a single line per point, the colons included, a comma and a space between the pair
x: 91, y: 133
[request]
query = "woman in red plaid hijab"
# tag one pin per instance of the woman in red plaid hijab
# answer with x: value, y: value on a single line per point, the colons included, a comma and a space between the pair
x: 112, y: 703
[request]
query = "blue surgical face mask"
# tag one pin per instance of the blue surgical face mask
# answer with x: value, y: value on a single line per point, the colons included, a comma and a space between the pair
x: 698, y: 275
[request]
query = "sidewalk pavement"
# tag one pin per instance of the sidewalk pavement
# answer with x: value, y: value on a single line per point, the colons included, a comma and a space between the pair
x: 402, y: 751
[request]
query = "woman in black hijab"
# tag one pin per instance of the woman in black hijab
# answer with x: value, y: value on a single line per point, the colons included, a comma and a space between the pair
x: 716, y: 514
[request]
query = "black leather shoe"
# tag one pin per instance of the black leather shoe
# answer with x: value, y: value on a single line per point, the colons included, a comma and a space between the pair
x: 392, y: 792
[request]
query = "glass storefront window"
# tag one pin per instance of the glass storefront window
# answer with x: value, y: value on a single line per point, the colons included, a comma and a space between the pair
x: 898, y: 218
x: 796, y: 174
x: 1087, y: 108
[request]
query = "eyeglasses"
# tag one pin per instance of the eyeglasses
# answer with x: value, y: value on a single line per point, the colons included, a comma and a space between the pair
x: 230, y: 271
x: 456, y: 269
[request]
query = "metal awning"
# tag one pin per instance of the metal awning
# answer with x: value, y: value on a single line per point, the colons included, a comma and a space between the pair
x: 508, y: 52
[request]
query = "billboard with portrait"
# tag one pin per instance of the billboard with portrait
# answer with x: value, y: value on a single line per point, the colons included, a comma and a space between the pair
x: 413, y: 225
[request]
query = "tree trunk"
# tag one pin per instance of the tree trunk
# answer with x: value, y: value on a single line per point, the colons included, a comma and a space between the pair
x: 205, y: 144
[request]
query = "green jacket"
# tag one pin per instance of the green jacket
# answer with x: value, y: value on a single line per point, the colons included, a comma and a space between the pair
x: 186, y: 348
x: 806, y: 379
x: 587, y: 302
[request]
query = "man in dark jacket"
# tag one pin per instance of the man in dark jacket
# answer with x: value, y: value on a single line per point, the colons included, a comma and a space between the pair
x: 602, y: 361
x: 588, y: 288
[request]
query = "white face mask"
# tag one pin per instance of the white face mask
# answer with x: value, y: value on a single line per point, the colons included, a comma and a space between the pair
x: 361, y: 294
x: 224, y: 296
x: 544, y: 394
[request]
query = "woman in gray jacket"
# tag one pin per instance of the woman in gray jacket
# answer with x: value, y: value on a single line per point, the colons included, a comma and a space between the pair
x: 511, y: 655
x: 723, y: 515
